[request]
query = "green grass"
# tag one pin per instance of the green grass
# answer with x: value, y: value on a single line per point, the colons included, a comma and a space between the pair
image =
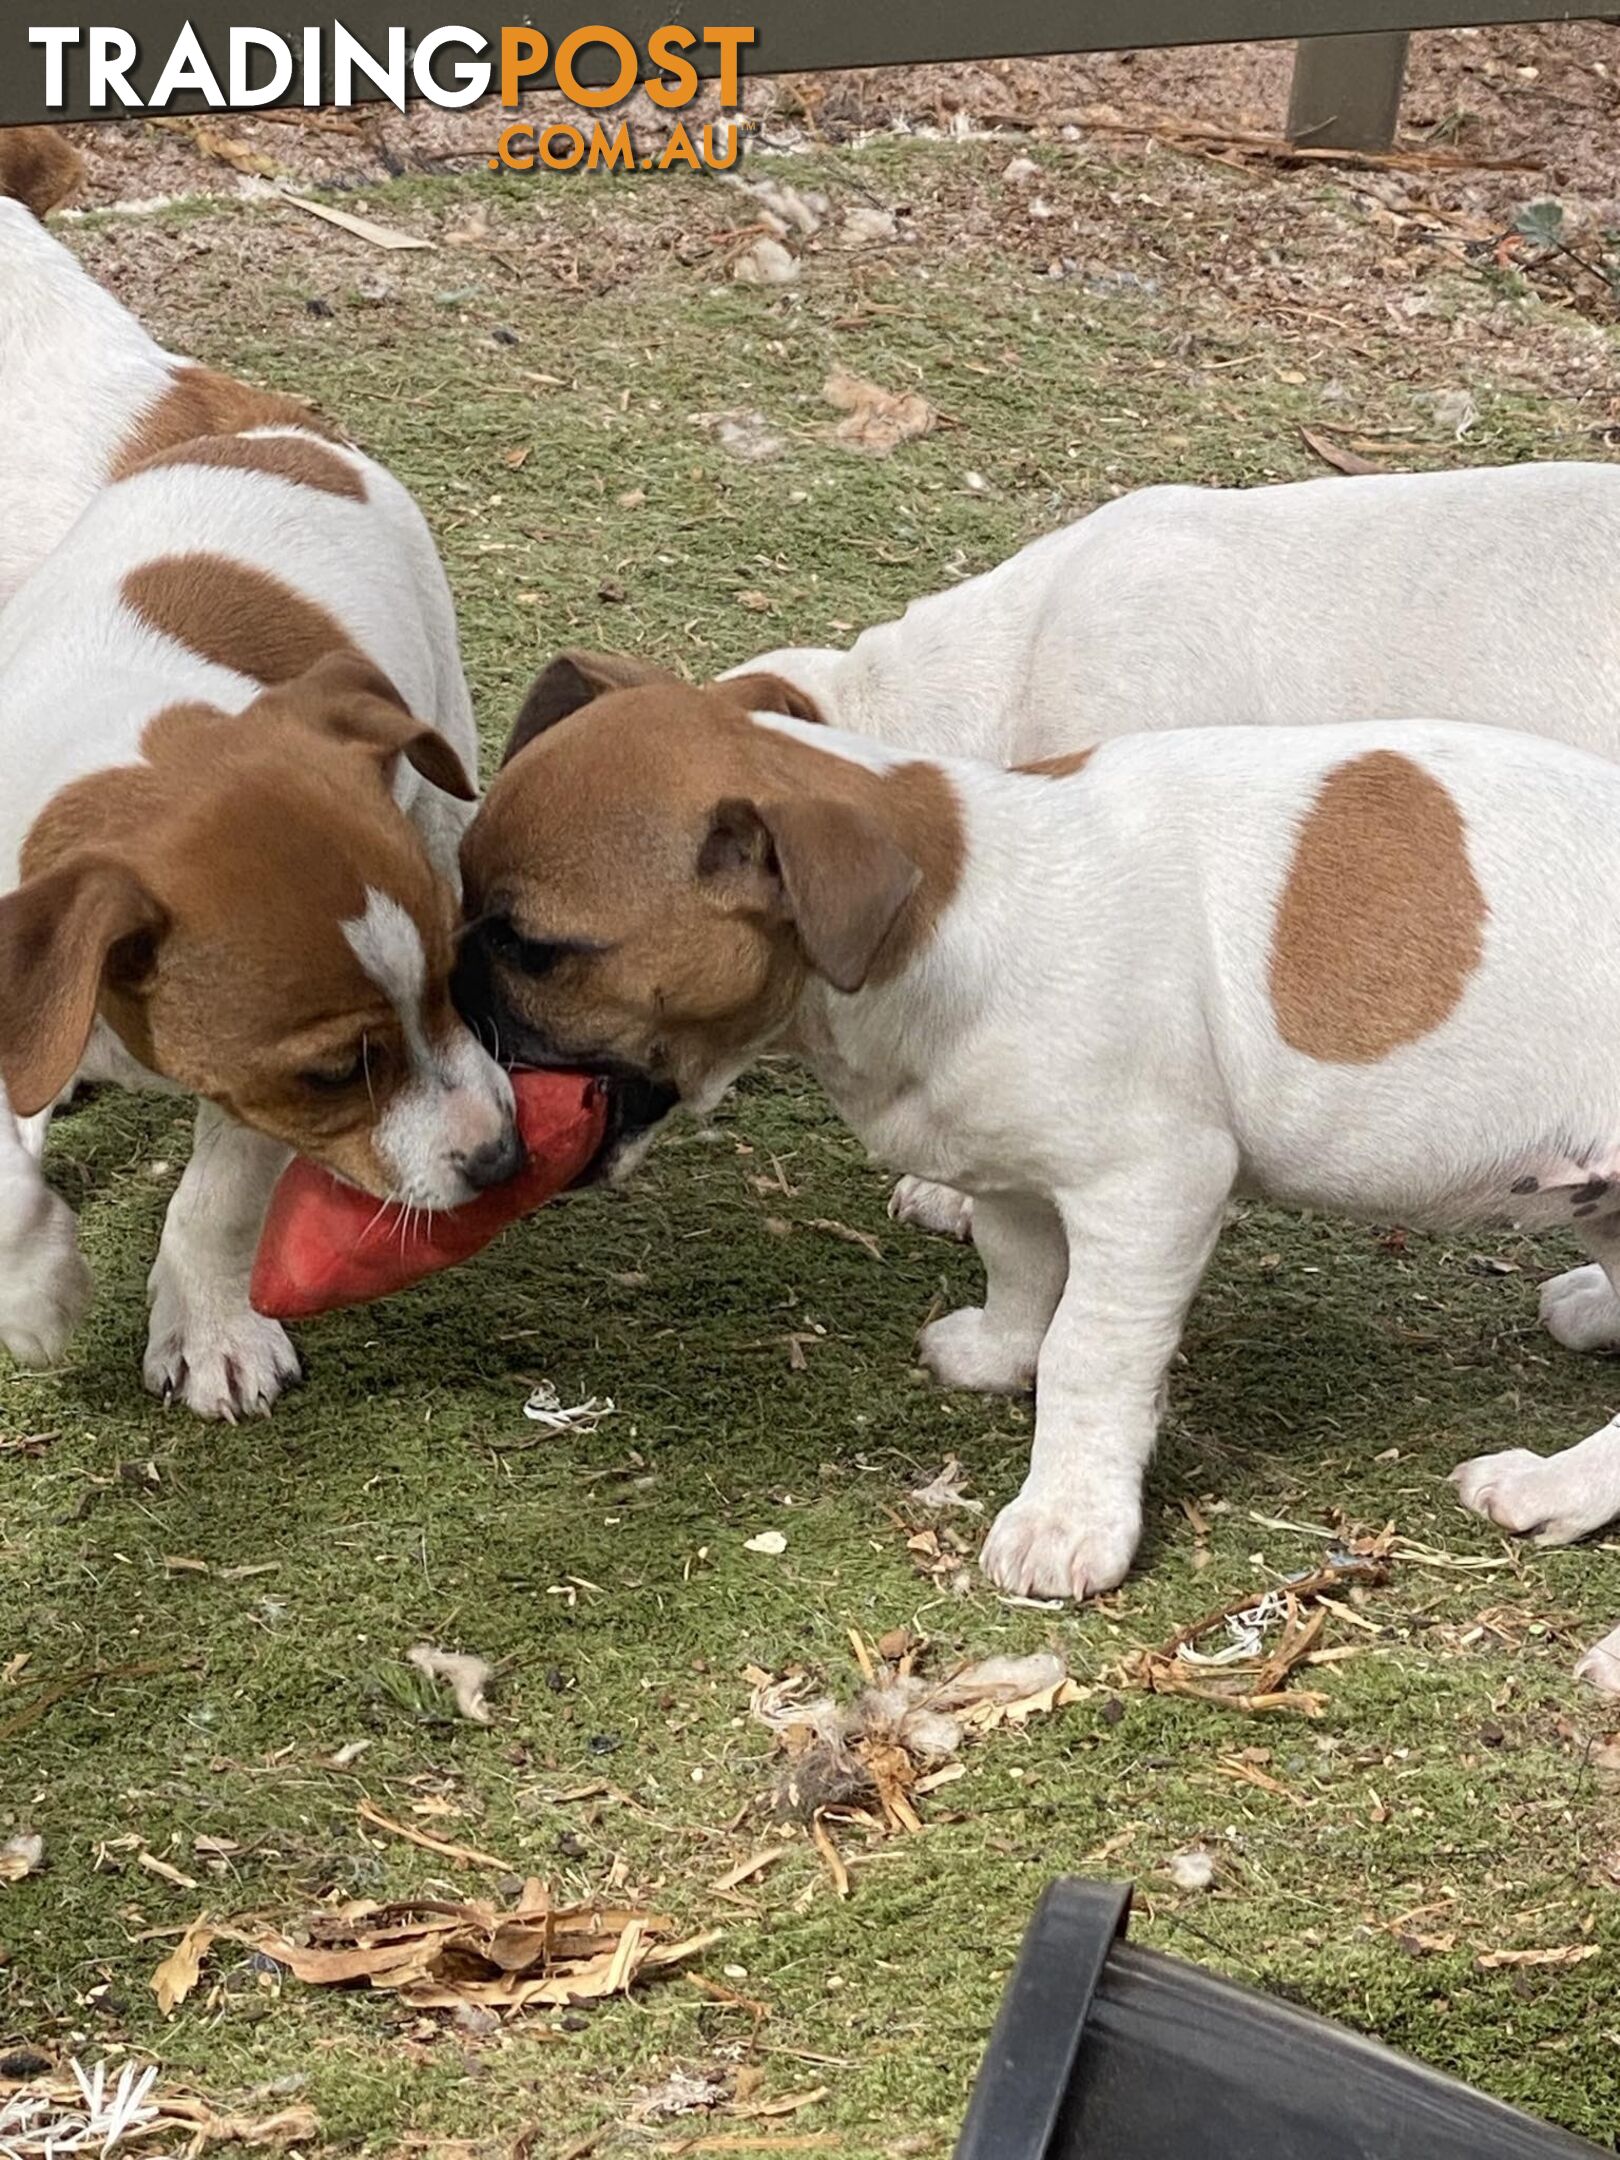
x: 1326, y: 1369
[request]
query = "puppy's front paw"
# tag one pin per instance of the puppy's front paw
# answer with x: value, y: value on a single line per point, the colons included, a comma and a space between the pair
x: 1546, y: 1497
x: 1579, y: 1310
x: 1043, y: 1547
x: 961, y: 1352
x: 223, y: 1362
x: 932, y: 1207
x: 45, y: 1286
x: 1600, y: 1667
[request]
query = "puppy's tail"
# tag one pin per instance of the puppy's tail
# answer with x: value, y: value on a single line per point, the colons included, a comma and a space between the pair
x: 38, y: 167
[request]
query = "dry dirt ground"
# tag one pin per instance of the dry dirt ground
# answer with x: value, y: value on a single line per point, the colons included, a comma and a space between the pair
x: 1545, y: 94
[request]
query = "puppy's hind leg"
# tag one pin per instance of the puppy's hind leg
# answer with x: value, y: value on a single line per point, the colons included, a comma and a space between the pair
x: 45, y: 1286
x: 206, y: 1346
x: 1581, y: 1308
x: 993, y: 1348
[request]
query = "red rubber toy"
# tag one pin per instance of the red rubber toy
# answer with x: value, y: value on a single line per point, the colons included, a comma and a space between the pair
x: 326, y: 1244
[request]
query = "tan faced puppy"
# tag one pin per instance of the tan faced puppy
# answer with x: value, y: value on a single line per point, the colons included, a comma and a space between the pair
x: 236, y: 750
x: 663, y: 948
x: 1359, y: 968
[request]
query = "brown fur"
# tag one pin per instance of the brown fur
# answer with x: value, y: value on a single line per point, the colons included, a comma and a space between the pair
x: 707, y: 864
x: 299, y: 459
x: 243, y: 842
x: 234, y: 615
x: 38, y: 167
x: 200, y: 402
x: 577, y: 678
x: 1061, y: 767
x: 1380, y: 924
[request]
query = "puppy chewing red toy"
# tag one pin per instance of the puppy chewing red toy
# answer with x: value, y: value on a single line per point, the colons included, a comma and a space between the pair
x: 326, y: 1244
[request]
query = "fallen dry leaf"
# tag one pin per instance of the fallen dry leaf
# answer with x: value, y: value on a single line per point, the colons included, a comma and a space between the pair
x: 945, y: 1490
x: 877, y: 420
x: 466, y: 1678
x: 439, y: 1955
x: 182, y: 1968
x: 1335, y: 454
x: 1568, y: 1954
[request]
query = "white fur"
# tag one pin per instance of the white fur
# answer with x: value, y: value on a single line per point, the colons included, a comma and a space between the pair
x: 456, y: 1100
x: 80, y: 677
x: 77, y: 371
x: 1087, y: 1046
x: 1320, y: 601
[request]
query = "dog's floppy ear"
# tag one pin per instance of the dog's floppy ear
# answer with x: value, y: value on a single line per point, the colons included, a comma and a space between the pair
x: 38, y: 167
x: 59, y: 935
x: 765, y: 691
x: 576, y: 678
x: 827, y: 867
x: 348, y: 697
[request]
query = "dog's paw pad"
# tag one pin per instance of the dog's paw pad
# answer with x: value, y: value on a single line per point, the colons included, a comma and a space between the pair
x: 222, y: 1372
x: 1042, y: 1548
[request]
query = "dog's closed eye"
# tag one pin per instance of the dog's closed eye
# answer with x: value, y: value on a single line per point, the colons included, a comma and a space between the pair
x: 530, y: 956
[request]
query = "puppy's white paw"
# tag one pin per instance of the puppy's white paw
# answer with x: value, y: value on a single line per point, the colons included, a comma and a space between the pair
x: 961, y: 1352
x: 1546, y: 1497
x: 45, y: 1285
x: 1043, y: 1547
x: 215, y: 1354
x: 1600, y: 1667
x: 1579, y: 1310
x: 932, y: 1207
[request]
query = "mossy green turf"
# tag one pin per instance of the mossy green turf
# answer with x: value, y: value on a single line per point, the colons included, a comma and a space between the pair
x: 1326, y: 1367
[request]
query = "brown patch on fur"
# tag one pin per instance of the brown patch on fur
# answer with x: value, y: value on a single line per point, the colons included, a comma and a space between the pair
x: 1061, y: 767
x: 234, y: 615
x: 38, y: 167
x: 200, y: 402
x: 1380, y: 924
x: 576, y: 678
x: 299, y: 459
x: 253, y: 838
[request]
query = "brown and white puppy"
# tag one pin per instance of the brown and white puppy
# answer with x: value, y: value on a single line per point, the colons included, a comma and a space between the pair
x: 86, y: 394
x: 236, y: 755
x: 1359, y: 968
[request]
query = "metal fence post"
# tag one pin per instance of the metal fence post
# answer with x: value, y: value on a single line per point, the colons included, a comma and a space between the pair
x: 1347, y: 91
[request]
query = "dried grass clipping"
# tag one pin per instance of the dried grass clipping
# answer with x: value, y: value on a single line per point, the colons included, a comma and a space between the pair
x: 440, y: 1955
x: 1256, y: 1683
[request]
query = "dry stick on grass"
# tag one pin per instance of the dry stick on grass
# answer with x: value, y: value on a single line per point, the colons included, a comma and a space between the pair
x: 1167, y: 129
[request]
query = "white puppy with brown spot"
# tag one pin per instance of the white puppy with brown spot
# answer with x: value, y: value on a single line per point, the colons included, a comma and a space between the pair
x: 238, y: 751
x: 1349, y: 968
x: 86, y: 393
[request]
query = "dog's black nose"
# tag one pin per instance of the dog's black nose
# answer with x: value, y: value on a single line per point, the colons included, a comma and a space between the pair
x: 494, y: 1162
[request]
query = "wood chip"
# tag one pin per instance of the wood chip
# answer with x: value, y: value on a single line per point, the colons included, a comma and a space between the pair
x: 1569, y: 1954
x: 380, y: 236
x: 748, y: 1870
x: 469, y: 1855
x: 830, y: 1856
x: 179, y: 1973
